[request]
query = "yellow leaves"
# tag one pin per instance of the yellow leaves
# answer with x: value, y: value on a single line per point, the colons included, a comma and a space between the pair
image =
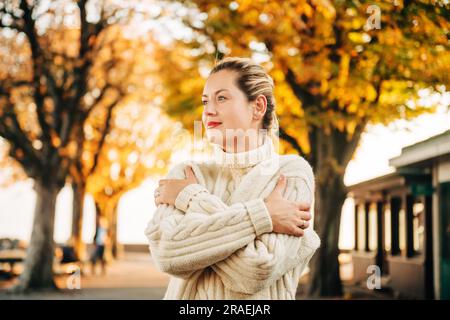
x: 390, y: 37
x: 326, y: 8
x: 304, y: 8
x: 338, y: 93
x: 139, y: 132
x: 343, y: 69
x: 350, y: 127
x: 303, y: 139
x: 244, y: 5
x: 186, y: 87
x: 287, y: 103
x: 359, y: 37
x: 324, y: 86
x: 277, y: 75
x: 352, y: 108
x: 357, y: 23
x: 371, y: 93
x: 340, y: 124
x: 251, y: 17
x: 314, y: 69
x: 352, y: 92
x: 302, y: 35
x: 299, y: 130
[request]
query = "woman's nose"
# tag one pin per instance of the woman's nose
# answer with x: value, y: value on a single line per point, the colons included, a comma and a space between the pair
x: 209, y: 110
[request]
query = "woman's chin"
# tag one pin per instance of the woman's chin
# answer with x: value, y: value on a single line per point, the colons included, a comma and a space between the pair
x: 214, y: 135
x: 214, y: 140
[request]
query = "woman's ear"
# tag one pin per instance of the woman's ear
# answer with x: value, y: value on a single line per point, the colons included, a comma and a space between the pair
x: 260, y: 107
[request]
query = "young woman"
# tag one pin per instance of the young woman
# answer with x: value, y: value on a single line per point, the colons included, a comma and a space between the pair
x: 235, y: 227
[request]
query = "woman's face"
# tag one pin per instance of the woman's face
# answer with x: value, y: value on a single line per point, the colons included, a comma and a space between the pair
x: 227, y: 114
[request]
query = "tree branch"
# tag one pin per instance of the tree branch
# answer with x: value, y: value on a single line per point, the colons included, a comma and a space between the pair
x: 97, y: 101
x: 313, y: 139
x: 291, y: 140
x: 39, y: 71
x: 18, y: 140
x: 301, y: 93
x: 15, y: 24
x: 85, y: 62
x: 105, y: 132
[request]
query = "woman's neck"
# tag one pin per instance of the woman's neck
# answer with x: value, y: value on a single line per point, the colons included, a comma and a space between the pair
x: 244, y: 159
x: 242, y: 144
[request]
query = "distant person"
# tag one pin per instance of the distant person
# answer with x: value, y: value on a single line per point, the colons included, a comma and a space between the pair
x: 100, y: 240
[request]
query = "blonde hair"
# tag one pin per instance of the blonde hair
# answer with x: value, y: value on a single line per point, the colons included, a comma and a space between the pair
x: 253, y: 81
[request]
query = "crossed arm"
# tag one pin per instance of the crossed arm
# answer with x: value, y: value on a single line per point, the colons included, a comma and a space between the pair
x: 236, y: 241
x: 184, y: 242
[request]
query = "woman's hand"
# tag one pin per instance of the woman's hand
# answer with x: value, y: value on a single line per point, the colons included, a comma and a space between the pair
x: 169, y: 189
x: 288, y: 217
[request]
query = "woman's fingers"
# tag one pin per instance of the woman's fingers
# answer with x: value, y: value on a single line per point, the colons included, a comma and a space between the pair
x: 304, y: 215
x: 281, y: 184
x: 299, y: 222
x: 298, y: 232
x: 157, y: 196
x: 303, y: 206
x: 189, y: 172
x: 159, y: 200
x: 303, y: 210
x: 304, y: 224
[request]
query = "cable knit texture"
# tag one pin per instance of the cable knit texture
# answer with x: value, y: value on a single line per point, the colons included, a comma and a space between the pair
x: 217, y: 241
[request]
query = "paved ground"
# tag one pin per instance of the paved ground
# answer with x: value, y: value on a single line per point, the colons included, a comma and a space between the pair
x: 134, y: 277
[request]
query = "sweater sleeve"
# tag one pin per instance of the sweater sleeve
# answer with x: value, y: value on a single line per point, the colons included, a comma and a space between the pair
x: 181, y: 243
x: 196, y: 197
x: 263, y: 261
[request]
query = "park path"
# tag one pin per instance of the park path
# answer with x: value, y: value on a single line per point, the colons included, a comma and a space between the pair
x: 132, y: 277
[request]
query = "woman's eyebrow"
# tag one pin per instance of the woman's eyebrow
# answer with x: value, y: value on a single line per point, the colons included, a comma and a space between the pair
x: 205, y: 95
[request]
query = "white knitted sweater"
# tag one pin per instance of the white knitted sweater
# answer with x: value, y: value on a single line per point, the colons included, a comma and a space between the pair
x: 217, y: 241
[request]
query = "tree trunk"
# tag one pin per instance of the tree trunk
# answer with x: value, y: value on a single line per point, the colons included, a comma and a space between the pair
x: 111, y: 216
x: 113, y: 232
x: 38, y: 266
x: 77, y: 219
x: 331, y: 153
x: 98, y: 214
x: 325, y: 280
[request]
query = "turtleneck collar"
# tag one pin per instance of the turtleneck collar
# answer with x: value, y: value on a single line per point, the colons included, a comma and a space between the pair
x: 244, y: 159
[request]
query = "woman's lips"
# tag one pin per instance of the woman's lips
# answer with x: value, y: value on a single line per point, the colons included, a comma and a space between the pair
x: 213, y: 124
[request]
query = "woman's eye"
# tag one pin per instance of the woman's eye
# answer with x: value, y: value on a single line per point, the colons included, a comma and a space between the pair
x: 220, y: 97
x: 204, y: 102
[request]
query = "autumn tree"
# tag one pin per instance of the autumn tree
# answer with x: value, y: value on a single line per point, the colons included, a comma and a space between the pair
x: 138, y: 146
x: 337, y: 65
x: 47, y: 91
x: 123, y: 66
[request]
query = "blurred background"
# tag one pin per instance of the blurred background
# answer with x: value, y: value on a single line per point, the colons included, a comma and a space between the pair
x: 98, y: 99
